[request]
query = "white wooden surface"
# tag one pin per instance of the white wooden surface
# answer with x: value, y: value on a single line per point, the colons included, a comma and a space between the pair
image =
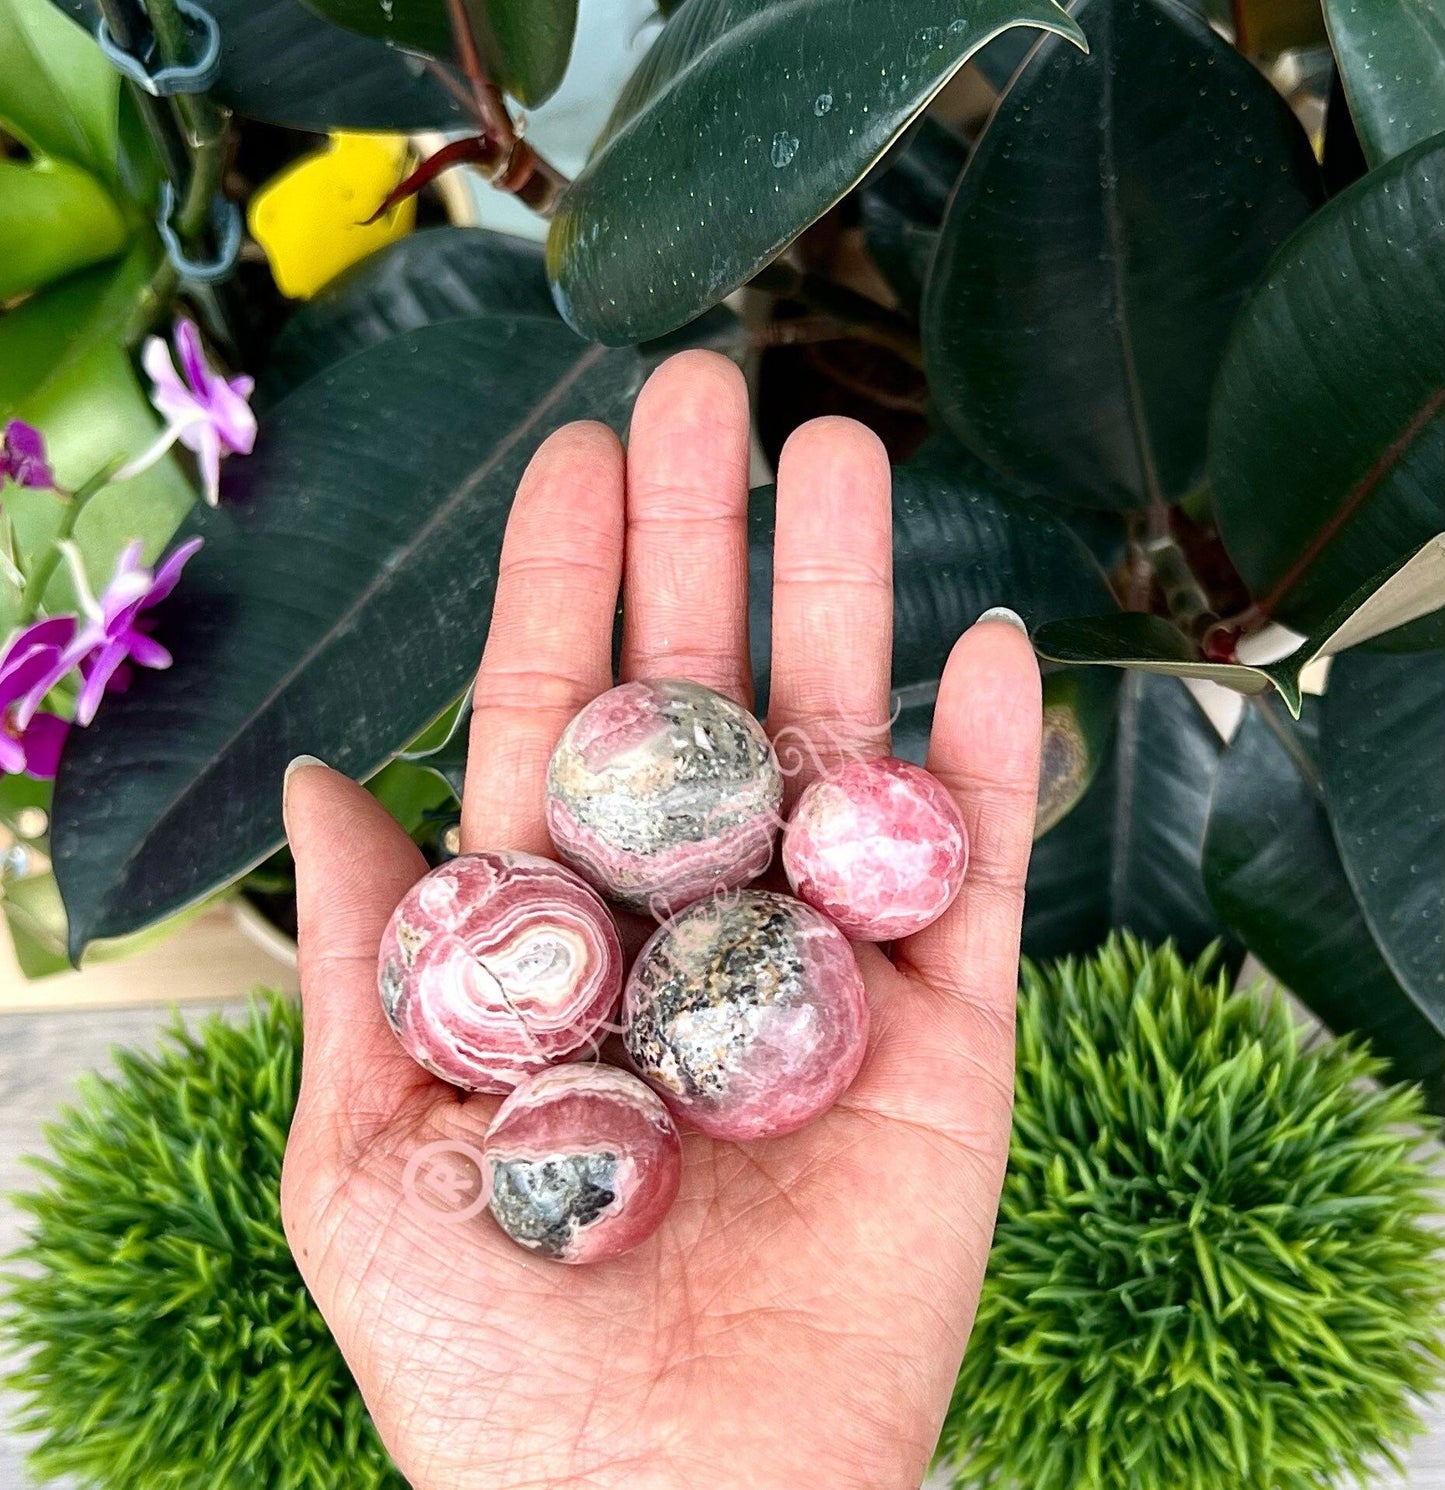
x: 42, y: 1053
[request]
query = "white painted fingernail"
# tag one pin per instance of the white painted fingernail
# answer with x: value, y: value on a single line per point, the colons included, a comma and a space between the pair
x: 292, y: 768
x: 1007, y: 616
x: 302, y: 760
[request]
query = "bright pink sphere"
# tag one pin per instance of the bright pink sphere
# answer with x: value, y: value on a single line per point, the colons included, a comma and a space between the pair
x: 496, y: 966
x: 747, y: 1014
x: 585, y: 1163
x: 879, y: 847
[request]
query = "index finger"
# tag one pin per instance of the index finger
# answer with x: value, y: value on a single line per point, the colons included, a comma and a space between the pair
x: 549, y: 649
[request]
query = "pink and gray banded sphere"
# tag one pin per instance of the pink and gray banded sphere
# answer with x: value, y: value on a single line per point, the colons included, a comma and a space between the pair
x: 496, y: 966
x: 660, y: 793
x: 585, y: 1163
x: 747, y: 1014
x: 879, y: 847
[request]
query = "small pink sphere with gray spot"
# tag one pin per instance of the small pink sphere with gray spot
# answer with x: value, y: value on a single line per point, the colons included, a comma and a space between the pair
x: 747, y: 1015
x: 497, y: 965
x: 879, y: 847
x: 585, y: 1163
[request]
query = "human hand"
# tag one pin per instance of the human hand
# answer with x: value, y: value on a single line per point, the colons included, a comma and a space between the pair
x: 799, y: 1318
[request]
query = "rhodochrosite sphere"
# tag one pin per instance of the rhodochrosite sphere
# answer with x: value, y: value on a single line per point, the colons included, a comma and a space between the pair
x: 662, y: 792
x: 585, y: 1163
x: 878, y: 846
x: 496, y: 965
x: 747, y: 1014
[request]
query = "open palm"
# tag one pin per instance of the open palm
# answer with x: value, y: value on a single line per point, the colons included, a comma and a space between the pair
x: 800, y: 1317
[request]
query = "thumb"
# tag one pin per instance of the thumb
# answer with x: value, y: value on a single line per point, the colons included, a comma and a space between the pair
x: 353, y: 864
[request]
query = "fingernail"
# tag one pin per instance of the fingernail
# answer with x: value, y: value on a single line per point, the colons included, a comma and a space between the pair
x: 292, y: 768
x: 1007, y: 616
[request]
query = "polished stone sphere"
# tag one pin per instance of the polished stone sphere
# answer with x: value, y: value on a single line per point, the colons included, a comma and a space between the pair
x: 497, y: 965
x: 747, y: 1014
x: 585, y: 1163
x: 878, y: 846
x: 660, y: 793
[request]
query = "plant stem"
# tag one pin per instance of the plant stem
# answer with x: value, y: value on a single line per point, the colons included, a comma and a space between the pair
x: 510, y: 164
x: 202, y: 126
x: 41, y: 575
x: 1188, y: 604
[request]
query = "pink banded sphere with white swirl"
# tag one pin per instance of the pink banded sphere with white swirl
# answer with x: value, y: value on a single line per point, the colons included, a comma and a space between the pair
x: 497, y: 965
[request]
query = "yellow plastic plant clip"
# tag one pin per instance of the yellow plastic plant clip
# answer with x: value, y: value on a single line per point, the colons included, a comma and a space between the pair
x: 311, y: 219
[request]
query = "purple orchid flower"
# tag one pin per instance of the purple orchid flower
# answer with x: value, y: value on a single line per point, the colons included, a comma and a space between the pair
x: 207, y: 412
x: 112, y: 631
x: 30, y: 740
x: 22, y: 456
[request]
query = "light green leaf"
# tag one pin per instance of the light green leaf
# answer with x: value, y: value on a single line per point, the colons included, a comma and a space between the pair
x: 94, y: 411
x: 745, y: 122
x: 1391, y: 56
x: 45, y: 334
x: 54, y: 219
x: 58, y: 94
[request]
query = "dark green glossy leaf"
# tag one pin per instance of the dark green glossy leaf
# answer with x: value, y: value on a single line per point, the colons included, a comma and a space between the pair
x: 1327, y: 432
x: 1129, y: 854
x: 339, y: 604
x: 903, y: 205
x: 281, y: 63
x: 1415, y: 589
x: 745, y: 122
x: 524, y: 44
x: 439, y: 274
x: 1104, y: 234
x: 1392, y: 59
x: 1274, y: 875
x: 1383, y: 753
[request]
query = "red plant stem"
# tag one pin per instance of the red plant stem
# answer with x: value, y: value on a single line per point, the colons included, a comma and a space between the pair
x: 510, y: 163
